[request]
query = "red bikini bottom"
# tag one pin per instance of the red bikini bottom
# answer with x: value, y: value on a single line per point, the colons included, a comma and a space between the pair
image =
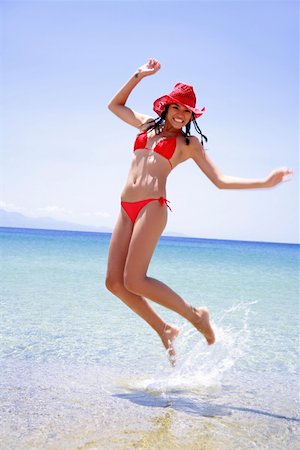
x: 133, y: 208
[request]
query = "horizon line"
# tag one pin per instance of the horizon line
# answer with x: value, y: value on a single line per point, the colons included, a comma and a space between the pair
x: 180, y: 236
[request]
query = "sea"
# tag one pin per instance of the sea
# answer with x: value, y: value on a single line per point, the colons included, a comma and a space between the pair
x: 79, y: 370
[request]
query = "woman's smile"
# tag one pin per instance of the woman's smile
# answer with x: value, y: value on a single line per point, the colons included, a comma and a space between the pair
x: 178, y: 115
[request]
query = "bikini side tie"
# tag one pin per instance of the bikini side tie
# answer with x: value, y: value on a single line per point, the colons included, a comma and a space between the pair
x: 164, y: 201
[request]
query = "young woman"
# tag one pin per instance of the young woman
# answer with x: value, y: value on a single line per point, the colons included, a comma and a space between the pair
x: 159, y: 147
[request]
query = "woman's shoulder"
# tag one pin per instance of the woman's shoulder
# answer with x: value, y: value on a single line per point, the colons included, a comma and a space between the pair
x: 147, y: 124
x: 193, y: 140
x: 193, y: 147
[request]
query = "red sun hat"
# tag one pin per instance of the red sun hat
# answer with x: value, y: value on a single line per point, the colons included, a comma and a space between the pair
x: 182, y: 94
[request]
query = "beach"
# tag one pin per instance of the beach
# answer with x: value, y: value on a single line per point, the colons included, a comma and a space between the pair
x: 81, y: 371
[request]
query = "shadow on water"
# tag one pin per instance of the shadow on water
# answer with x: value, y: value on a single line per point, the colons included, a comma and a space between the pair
x: 193, y: 406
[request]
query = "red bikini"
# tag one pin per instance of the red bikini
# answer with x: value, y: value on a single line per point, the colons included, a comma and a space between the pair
x: 165, y: 147
x: 133, y: 208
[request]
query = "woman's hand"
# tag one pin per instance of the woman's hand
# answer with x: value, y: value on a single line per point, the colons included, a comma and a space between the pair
x: 277, y: 176
x: 150, y: 68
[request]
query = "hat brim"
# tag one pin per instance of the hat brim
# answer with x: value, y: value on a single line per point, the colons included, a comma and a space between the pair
x: 160, y: 104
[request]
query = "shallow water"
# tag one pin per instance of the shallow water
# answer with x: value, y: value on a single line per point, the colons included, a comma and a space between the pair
x: 81, y: 371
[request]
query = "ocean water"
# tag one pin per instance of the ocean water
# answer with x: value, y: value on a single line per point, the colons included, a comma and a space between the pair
x: 80, y: 371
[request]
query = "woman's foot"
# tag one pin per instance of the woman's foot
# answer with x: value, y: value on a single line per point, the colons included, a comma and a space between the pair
x: 168, y: 335
x: 201, y: 322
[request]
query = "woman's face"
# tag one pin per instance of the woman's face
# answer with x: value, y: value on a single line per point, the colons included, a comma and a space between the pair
x: 178, y: 116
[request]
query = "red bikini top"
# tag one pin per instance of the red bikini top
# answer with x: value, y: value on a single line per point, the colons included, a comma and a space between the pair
x: 165, y: 146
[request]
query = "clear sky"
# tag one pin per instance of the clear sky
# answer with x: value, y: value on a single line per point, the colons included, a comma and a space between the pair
x: 64, y: 155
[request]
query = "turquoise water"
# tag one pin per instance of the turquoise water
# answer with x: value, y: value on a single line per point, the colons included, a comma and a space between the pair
x: 81, y: 371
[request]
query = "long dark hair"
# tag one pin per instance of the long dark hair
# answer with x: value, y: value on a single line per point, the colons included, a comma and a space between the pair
x: 158, y: 124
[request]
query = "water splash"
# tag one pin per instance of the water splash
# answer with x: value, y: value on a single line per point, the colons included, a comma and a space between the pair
x: 201, y: 368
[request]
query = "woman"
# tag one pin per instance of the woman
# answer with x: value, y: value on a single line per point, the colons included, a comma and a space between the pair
x: 159, y: 147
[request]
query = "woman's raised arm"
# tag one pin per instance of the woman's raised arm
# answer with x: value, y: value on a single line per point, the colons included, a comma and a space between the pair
x: 117, y: 105
x: 227, y: 182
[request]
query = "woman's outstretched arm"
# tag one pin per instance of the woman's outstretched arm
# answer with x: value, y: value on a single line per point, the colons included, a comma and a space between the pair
x: 118, y: 103
x: 227, y: 182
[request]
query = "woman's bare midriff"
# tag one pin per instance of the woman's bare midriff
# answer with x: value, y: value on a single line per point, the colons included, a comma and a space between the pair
x: 147, y: 177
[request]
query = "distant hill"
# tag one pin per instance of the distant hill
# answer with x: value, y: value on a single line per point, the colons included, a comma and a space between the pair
x: 17, y: 220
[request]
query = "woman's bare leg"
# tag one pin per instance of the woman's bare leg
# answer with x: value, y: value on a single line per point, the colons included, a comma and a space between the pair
x: 118, y: 250
x: 147, y: 230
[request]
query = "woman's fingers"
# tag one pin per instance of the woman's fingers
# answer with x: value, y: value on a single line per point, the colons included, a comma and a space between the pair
x: 279, y: 175
x: 152, y: 66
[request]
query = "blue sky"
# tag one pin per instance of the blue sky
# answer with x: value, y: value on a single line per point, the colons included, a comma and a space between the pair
x: 64, y: 155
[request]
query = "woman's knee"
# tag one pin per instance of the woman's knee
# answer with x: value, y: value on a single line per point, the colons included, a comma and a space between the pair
x: 114, y: 284
x: 132, y: 283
